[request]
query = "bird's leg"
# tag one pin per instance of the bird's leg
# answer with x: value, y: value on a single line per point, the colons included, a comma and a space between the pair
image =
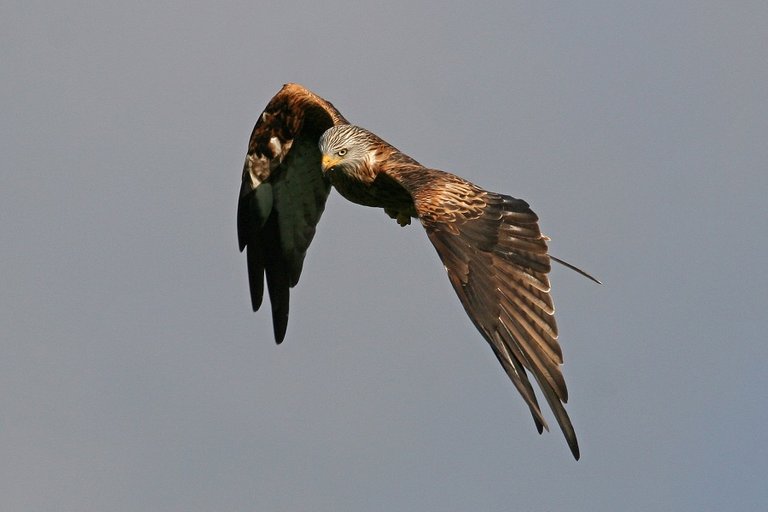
x: 401, y: 217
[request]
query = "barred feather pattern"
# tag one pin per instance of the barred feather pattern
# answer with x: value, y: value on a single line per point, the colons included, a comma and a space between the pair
x: 493, y: 251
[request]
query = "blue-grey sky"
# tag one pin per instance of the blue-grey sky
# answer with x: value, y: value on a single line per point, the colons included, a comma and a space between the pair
x: 133, y: 375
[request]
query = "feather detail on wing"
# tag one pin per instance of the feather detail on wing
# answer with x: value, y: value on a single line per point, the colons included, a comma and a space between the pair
x: 497, y: 262
x: 283, y: 194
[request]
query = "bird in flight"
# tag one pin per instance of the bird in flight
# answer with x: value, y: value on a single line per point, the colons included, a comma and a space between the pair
x: 490, y: 244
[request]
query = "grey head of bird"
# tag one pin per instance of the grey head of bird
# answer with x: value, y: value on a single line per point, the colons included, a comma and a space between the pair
x: 348, y: 149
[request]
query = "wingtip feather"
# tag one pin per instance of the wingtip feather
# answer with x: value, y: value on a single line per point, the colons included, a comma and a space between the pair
x: 576, y: 269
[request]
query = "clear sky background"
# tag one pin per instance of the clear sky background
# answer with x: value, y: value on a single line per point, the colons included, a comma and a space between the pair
x: 134, y: 377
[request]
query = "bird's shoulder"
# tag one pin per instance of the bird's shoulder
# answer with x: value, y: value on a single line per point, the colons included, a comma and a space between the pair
x: 441, y: 196
x: 292, y: 113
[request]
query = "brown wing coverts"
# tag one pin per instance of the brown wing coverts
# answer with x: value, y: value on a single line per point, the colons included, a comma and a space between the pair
x: 283, y: 194
x: 497, y: 262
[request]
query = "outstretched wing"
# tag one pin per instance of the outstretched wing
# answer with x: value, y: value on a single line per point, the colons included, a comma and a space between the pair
x: 497, y: 262
x: 283, y: 194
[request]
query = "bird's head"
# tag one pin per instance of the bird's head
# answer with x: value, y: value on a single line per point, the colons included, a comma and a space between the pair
x: 348, y: 149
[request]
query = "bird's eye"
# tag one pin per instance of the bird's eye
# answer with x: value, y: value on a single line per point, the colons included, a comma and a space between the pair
x: 342, y: 152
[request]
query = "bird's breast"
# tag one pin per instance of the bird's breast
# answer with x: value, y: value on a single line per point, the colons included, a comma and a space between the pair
x: 382, y: 192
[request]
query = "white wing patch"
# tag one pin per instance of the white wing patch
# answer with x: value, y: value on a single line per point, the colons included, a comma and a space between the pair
x: 252, y: 166
x: 275, y: 146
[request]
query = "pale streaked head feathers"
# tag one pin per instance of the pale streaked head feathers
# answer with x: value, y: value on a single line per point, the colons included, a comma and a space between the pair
x: 349, y: 148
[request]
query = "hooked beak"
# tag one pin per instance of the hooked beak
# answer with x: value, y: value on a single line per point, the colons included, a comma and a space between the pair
x: 329, y: 163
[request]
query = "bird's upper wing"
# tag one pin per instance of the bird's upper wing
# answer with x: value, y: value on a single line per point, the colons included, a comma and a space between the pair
x: 283, y: 194
x: 497, y: 262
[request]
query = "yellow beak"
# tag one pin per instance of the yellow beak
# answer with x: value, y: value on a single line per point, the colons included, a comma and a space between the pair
x: 328, y: 162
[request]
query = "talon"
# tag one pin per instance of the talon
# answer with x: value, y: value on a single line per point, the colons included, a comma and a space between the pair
x: 403, y: 219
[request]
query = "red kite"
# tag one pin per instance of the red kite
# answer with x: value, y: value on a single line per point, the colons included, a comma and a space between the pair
x: 490, y: 244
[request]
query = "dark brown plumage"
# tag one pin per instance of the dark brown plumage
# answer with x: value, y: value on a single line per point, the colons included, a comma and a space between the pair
x: 490, y: 244
x: 283, y: 194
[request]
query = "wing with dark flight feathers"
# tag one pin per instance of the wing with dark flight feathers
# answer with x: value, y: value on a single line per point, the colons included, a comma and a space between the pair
x: 497, y: 262
x: 283, y: 194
